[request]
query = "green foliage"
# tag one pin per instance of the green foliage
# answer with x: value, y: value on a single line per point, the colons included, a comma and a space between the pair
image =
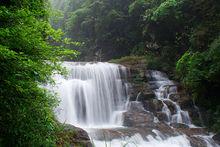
x: 138, y: 49
x: 138, y: 7
x: 94, y: 23
x: 199, y: 67
x: 166, y: 9
x: 129, y: 60
x: 27, y: 61
x: 164, y: 31
x: 200, y: 72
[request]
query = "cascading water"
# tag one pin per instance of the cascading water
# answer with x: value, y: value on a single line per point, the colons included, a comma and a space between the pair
x: 94, y: 97
x: 163, y: 88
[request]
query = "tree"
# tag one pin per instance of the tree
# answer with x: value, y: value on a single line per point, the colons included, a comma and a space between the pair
x: 27, y: 61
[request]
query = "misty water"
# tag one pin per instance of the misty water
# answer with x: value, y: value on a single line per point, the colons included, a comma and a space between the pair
x: 94, y: 96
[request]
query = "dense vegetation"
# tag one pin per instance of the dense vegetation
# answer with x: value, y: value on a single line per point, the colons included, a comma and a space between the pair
x: 181, y: 37
x: 27, y: 61
x: 177, y: 36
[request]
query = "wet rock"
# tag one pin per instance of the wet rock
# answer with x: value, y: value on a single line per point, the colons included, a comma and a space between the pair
x: 165, y: 129
x: 216, y: 137
x: 162, y: 116
x: 192, y: 131
x: 141, y: 91
x: 145, y: 95
x: 197, y: 142
x: 148, y: 106
x: 153, y: 105
x: 74, y: 136
x: 174, y: 97
x: 137, y: 119
x: 116, y: 133
x: 179, y: 125
x: 105, y: 134
x: 135, y: 107
x: 171, y: 106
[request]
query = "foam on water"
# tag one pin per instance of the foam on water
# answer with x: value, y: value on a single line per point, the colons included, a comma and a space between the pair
x: 95, y: 96
x: 163, y: 88
x: 92, y: 95
x: 138, y: 141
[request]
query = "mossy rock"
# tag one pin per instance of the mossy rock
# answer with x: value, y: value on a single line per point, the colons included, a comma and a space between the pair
x: 70, y: 135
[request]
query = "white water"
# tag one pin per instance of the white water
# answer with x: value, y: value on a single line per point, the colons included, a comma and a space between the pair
x: 163, y: 88
x: 138, y: 141
x: 94, y: 95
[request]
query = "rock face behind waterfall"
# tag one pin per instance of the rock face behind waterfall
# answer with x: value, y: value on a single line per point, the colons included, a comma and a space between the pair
x: 145, y: 106
x: 143, y: 90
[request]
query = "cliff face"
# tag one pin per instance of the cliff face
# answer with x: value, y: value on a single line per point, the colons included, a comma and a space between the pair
x: 142, y: 90
x: 142, y: 95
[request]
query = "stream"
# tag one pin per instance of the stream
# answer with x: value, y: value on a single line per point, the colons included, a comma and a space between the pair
x: 95, y: 97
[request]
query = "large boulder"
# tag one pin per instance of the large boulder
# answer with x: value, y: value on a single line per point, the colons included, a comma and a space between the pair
x: 174, y: 97
x: 162, y: 116
x: 171, y: 105
x: 137, y: 119
x: 216, y: 137
x: 153, y: 105
x: 73, y: 136
x: 140, y: 119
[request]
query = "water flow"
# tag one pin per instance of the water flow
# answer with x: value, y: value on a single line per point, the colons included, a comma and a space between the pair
x: 92, y: 95
x: 137, y: 141
x: 163, y: 89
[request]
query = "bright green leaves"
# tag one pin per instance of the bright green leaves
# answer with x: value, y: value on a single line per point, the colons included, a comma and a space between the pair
x: 200, y: 66
x: 200, y: 73
x: 6, y: 53
x: 168, y: 7
x: 29, y: 53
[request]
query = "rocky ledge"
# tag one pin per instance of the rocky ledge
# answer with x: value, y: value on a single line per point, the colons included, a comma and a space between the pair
x: 73, y: 136
x: 144, y: 108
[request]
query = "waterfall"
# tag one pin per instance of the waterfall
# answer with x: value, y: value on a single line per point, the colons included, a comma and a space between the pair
x: 93, y: 94
x: 163, y: 88
x: 95, y: 97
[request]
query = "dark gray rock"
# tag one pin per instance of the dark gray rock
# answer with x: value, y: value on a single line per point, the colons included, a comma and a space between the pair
x: 197, y: 142
x: 179, y: 125
x: 135, y: 106
x: 137, y: 119
x: 216, y: 137
x: 153, y: 105
x: 174, y: 97
x: 171, y: 106
x: 162, y: 116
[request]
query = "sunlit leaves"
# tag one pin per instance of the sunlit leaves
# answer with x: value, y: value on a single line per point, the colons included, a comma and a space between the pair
x: 29, y: 53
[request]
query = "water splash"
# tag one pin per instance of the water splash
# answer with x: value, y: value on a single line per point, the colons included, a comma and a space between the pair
x: 95, y: 95
x: 138, y: 141
x: 92, y: 95
x: 163, y: 88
